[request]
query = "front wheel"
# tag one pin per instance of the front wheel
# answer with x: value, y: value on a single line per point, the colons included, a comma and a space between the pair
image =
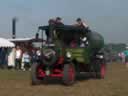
x: 69, y: 74
x: 101, y: 70
x: 35, y: 68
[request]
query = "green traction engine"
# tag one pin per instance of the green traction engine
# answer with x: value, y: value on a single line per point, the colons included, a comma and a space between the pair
x: 67, y: 51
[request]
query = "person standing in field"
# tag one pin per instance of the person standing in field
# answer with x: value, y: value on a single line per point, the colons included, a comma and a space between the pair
x: 26, y: 60
x: 126, y: 57
x: 18, y: 58
x: 33, y: 56
x: 122, y: 57
x: 11, y: 58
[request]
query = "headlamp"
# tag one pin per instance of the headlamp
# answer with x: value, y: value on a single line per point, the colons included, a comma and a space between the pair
x: 84, y: 39
x: 100, y: 56
x: 68, y: 55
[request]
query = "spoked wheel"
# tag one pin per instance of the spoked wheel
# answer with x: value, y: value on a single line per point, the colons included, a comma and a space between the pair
x: 69, y: 74
x: 37, y: 74
x: 100, y: 73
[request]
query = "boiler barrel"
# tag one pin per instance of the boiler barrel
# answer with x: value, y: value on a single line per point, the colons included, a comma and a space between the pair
x: 96, y: 41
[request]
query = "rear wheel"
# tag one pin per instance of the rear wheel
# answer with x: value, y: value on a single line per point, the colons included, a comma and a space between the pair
x: 35, y: 72
x: 69, y: 74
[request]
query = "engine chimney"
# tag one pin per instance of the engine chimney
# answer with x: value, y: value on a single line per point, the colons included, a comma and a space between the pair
x: 14, y: 27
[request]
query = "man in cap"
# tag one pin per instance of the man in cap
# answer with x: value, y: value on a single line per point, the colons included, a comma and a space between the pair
x: 80, y: 23
x: 58, y: 21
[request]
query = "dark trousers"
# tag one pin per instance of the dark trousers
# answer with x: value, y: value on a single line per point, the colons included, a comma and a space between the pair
x: 18, y: 64
x: 27, y: 65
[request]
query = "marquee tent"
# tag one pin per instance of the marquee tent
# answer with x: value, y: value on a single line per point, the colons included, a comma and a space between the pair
x: 6, y: 43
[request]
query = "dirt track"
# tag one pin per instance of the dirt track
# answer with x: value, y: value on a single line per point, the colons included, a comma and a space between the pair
x: 13, y: 83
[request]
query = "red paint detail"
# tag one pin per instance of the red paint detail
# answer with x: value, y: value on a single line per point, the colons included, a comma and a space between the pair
x: 102, y: 72
x: 73, y: 43
x: 56, y: 75
x: 71, y: 73
x: 40, y: 72
x: 61, y: 60
x: 57, y: 71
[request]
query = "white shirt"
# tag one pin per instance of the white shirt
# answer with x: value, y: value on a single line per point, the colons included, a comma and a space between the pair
x: 38, y: 52
x: 26, y: 58
x: 85, y: 25
x: 18, y: 54
x: 11, y: 57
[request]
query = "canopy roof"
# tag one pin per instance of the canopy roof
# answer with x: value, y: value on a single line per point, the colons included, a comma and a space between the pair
x: 16, y: 40
x: 65, y: 27
x: 6, y: 43
x: 20, y: 39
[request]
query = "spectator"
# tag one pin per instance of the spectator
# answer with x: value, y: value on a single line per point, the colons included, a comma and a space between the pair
x: 33, y: 56
x: 0, y: 57
x: 38, y: 52
x: 11, y: 58
x: 3, y: 58
x: 18, y: 58
x: 26, y: 61
x: 122, y: 56
x: 126, y: 57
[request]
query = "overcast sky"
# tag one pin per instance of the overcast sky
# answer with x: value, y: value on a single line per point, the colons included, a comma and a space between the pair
x: 108, y: 17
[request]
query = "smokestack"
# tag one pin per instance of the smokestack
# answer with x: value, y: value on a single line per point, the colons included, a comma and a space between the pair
x: 14, y: 27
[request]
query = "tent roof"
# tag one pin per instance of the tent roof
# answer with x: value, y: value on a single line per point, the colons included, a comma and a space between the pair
x: 20, y: 39
x: 65, y: 28
x: 6, y: 43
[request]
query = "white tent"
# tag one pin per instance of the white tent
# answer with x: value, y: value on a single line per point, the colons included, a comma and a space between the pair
x: 20, y: 39
x: 6, y: 43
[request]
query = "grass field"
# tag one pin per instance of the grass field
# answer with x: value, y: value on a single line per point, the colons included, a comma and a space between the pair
x: 17, y: 83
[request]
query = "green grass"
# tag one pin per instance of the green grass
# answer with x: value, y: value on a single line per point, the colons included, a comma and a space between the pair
x: 13, y: 75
